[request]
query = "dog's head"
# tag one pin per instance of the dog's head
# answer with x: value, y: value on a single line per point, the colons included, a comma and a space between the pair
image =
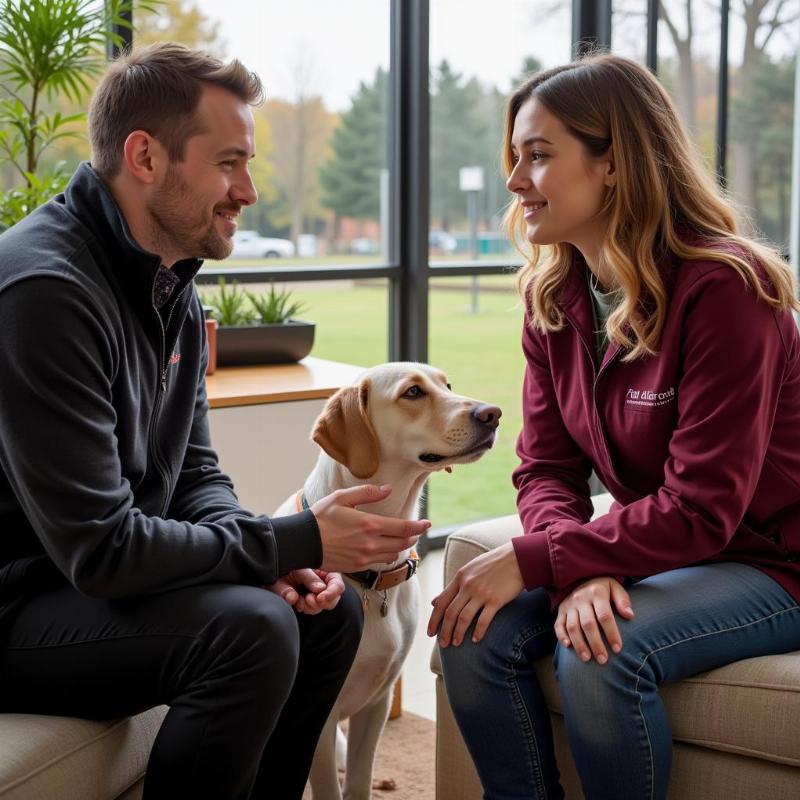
x: 404, y: 413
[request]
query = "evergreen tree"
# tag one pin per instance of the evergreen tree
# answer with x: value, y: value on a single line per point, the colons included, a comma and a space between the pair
x: 458, y: 139
x: 495, y: 195
x: 494, y: 108
x: 761, y: 118
x: 350, y: 179
x: 530, y: 66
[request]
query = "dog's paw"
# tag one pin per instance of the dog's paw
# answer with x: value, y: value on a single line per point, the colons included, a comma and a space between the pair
x: 384, y: 785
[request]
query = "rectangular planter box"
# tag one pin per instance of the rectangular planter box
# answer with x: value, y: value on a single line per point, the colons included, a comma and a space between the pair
x: 280, y: 343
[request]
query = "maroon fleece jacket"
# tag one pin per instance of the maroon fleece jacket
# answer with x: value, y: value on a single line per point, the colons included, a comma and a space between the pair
x: 699, y: 444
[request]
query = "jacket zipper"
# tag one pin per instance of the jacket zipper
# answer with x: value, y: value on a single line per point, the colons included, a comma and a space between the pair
x: 163, y: 367
x: 597, y: 373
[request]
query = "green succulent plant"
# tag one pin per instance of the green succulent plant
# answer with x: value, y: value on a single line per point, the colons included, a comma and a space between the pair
x: 275, y: 306
x: 230, y: 305
x: 235, y: 306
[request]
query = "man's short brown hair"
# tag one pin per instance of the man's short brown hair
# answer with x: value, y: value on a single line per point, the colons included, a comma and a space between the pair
x: 157, y: 89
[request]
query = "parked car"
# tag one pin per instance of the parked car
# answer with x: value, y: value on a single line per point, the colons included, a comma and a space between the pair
x: 442, y: 241
x: 250, y: 244
x: 364, y: 246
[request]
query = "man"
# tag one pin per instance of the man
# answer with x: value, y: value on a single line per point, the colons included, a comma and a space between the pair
x: 129, y: 574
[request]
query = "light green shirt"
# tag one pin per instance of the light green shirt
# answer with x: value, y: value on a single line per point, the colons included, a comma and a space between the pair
x: 603, y: 303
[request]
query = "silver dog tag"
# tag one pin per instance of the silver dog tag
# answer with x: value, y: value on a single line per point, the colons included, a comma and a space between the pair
x: 384, y: 605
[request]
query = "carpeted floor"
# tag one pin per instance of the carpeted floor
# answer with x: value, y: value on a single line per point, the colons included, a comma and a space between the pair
x: 406, y: 755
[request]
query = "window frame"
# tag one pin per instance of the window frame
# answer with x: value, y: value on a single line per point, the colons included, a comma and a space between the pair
x: 408, y: 269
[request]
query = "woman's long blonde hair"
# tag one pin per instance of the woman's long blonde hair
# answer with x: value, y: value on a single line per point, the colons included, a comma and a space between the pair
x: 663, y: 201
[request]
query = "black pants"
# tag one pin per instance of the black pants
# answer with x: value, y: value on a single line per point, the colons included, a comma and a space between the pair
x: 249, y: 682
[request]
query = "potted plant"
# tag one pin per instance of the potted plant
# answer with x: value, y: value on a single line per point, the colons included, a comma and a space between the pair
x: 50, y: 50
x: 258, y: 328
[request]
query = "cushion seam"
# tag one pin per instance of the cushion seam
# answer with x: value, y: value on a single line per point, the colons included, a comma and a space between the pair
x: 61, y: 756
x: 761, y: 755
x: 774, y: 687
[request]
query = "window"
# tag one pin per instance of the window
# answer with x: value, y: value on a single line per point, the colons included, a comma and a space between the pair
x: 479, y: 53
x: 475, y: 339
x: 351, y: 319
x: 629, y: 29
x: 322, y: 138
x: 688, y: 66
x: 762, y: 63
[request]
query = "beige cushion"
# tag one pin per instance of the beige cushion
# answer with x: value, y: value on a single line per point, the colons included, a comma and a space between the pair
x: 62, y: 758
x: 751, y: 707
x: 134, y: 793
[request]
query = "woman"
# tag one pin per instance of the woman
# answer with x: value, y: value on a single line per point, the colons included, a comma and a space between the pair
x: 662, y: 353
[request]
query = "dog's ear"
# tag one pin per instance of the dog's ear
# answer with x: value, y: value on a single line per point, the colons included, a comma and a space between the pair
x: 344, y: 431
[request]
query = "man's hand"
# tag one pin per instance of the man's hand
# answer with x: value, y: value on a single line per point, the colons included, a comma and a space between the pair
x: 309, y: 591
x: 480, y: 588
x: 352, y: 539
x: 586, y: 612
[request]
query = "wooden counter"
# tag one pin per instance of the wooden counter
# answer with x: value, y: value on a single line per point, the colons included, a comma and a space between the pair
x: 260, y: 420
x: 309, y: 379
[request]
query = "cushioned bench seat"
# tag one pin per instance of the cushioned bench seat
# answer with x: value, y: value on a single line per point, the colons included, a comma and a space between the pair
x: 736, y: 729
x: 60, y: 758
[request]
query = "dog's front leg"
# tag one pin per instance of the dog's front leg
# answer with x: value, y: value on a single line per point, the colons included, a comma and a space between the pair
x: 324, y: 775
x: 363, y: 734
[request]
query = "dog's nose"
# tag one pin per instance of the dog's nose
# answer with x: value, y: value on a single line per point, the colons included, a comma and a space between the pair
x: 487, y: 415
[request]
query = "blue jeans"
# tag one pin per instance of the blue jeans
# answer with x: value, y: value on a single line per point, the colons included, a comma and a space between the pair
x: 686, y: 621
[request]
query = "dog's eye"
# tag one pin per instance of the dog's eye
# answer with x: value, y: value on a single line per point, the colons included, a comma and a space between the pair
x: 449, y: 387
x: 414, y: 392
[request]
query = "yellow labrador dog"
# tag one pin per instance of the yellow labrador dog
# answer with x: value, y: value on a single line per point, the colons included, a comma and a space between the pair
x: 397, y: 425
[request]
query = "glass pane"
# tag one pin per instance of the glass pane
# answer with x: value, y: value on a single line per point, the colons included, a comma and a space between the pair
x: 475, y: 339
x: 351, y: 317
x: 470, y: 79
x: 762, y: 53
x: 688, y: 66
x: 321, y: 138
x: 629, y: 29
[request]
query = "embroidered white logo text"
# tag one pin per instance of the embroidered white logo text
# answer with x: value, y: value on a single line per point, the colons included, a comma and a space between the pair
x: 649, y: 398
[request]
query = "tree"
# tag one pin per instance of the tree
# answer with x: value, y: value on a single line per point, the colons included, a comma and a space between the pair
x: 493, y: 111
x: 300, y: 133
x: 258, y: 216
x: 458, y: 139
x: 300, y: 129
x: 763, y: 19
x: 762, y: 116
x: 350, y: 178
x: 683, y: 47
x: 180, y: 21
x: 530, y: 66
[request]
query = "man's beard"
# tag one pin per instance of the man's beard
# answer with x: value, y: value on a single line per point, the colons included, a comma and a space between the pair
x: 179, y: 227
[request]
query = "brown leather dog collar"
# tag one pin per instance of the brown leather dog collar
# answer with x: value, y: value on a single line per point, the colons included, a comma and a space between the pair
x: 388, y: 578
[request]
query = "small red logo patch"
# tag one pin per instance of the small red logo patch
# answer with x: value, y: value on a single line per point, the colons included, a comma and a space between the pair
x: 174, y: 359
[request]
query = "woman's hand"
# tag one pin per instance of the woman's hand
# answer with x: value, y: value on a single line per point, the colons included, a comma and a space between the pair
x: 480, y: 588
x: 586, y: 612
x: 309, y: 591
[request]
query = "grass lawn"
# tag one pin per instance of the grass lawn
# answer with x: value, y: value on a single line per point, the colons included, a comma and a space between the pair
x: 480, y: 352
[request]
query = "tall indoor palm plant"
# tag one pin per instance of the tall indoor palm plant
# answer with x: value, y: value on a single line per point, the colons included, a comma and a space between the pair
x: 49, y: 49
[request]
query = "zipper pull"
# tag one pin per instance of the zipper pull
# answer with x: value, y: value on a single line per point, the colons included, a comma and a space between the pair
x: 164, y: 381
